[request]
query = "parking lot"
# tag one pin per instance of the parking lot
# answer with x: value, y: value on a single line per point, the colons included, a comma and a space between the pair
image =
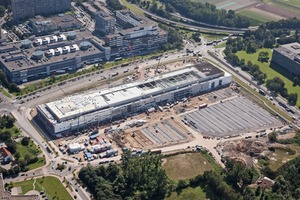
x: 231, y: 117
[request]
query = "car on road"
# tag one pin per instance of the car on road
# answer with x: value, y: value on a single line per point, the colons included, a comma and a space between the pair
x: 115, y: 74
x: 126, y: 70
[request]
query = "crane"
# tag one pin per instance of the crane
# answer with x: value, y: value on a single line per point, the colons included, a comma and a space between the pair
x: 133, y: 58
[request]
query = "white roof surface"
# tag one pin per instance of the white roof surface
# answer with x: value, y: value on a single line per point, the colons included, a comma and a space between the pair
x: 97, y: 100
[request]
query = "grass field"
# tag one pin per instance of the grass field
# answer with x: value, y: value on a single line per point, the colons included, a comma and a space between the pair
x: 41, y: 162
x: 188, y: 194
x: 185, y: 166
x: 255, y: 18
x: 281, y: 157
x: 210, y: 37
x: 52, y: 186
x: 271, y: 73
x: 220, y: 45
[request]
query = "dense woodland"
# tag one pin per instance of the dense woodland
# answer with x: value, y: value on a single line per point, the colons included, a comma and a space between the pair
x: 136, y: 178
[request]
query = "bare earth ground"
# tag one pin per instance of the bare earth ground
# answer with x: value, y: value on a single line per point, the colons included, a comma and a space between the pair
x: 184, y: 166
x: 278, y: 11
x: 286, y: 136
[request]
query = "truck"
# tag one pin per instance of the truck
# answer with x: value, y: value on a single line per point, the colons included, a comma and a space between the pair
x: 155, y: 151
x: 262, y: 92
x: 203, y: 106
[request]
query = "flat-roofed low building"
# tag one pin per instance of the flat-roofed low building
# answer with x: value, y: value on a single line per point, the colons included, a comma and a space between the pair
x: 70, y: 113
x: 47, y: 25
x: 288, y: 57
x: 54, y: 54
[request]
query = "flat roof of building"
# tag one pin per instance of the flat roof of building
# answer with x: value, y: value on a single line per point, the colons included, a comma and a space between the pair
x: 16, y: 58
x: 84, y: 103
x: 57, y: 20
x: 290, y: 50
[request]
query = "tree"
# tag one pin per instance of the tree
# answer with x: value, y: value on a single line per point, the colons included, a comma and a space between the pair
x: 136, y: 178
x: 25, y: 141
x: 292, y: 98
x: 11, y: 145
x: 2, y: 11
x: 272, y: 137
x: 196, y: 37
x: 3, y: 78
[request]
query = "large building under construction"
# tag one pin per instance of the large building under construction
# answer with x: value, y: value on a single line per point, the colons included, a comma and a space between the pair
x: 67, y: 115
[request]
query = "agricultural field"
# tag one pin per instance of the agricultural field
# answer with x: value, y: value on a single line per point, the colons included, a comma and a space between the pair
x: 185, y: 166
x: 53, y: 188
x: 271, y: 73
x: 188, y: 193
x: 258, y: 17
x: 293, y: 5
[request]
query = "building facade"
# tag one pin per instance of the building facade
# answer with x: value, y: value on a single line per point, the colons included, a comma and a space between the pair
x: 288, y: 57
x: 24, y: 9
x: 105, y: 23
x: 67, y: 115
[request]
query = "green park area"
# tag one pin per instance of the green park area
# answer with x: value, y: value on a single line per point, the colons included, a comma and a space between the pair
x: 52, y: 187
x: 271, y: 73
x: 185, y: 166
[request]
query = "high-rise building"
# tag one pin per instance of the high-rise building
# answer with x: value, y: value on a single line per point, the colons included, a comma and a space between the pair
x: 105, y: 23
x: 23, y: 9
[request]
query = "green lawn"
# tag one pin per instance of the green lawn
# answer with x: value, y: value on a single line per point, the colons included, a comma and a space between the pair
x: 222, y: 45
x: 255, y: 18
x: 52, y: 186
x: 185, y: 166
x: 271, y: 73
x: 211, y: 37
x: 41, y: 162
x: 188, y: 194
